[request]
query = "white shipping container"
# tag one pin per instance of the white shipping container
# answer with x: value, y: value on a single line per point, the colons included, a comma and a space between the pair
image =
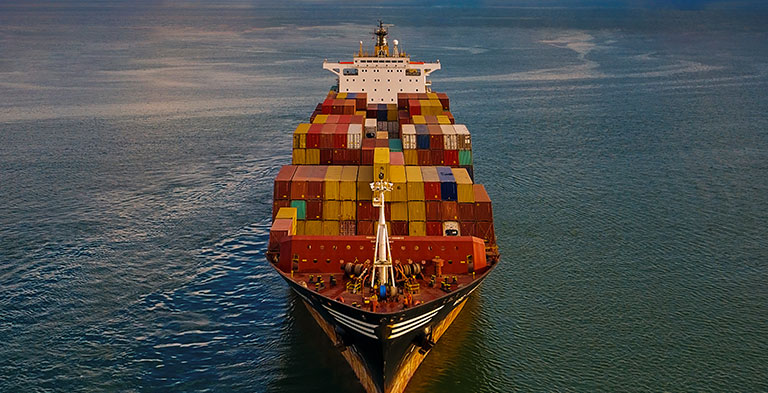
x: 409, y: 137
x: 450, y: 139
x: 354, y: 136
x: 464, y: 138
x: 370, y: 125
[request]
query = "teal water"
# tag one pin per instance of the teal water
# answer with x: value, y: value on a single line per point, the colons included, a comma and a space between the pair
x: 625, y: 150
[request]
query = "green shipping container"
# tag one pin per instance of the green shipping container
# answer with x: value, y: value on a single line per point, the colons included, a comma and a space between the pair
x: 465, y: 157
x: 301, y: 209
x: 395, y: 145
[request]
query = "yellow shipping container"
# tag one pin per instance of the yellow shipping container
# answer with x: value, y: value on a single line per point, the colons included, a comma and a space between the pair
x: 443, y: 119
x: 418, y: 119
x: 332, y: 179
x: 417, y: 211
x: 312, y: 157
x: 288, y: 212
x: 415, y: 185
x: 299, y: 157
x: 411, y: 157
x: 382, y: 135
x: 463, y: 185
x: 320, y: 119
x: 361, y: 113
x: 300, y: 227
x: 348, y: 184
x: 300, y: 136
x: 331, y: 210
x: 364, y: 180
x: 313, y: 228
x: 399, y: 191
x: 399, y: 211
x: 341, y: 96
x: 417, y: 228
x: 348, y: 210
x: 432, y: 96
x: 330, y: 228
x: 381, y: 163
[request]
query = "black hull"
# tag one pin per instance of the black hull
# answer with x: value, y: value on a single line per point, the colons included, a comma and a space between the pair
x: 384, y: 343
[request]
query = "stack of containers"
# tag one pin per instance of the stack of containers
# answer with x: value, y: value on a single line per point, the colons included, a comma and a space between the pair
x: 416, y: 208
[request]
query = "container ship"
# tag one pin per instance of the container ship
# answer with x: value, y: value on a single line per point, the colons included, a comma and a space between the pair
x: 378, y: 225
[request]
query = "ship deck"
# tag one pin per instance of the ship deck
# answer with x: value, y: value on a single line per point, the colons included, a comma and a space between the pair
x: 362, y: 299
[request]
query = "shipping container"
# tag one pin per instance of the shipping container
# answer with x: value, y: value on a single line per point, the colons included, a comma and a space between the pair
x: 354, y: 136
x: 424, y: 157
x: 276, y: 205
x: 299, y: 156
x: 483, y: 209
x: 312, y: 157
x: 467, y: 212
x: 395, y: 145
x: 313, y: 136
x: 366, y: 228
x: 417, y: 228
x: 348, y: 210
x: 299, y: 182
x: 290, y: 213
x: 399, y: 228
x: 281, y: 227
x: 300, y: 136
x: 435, y: 137
x: 433, y: 210
x: 366, y: 211
x: 451, y: 157
x: 399, y: 184
x: 432, y: 188
x: 330, y: 228
x: 450, y: 138
x: 484, y: 230
x: 416, y: 211
x: 448, y: 191
x: 399, y: 211
x: 332, y: 179
x: 331, y: 210
x: 314, y: 209
x: 449, y: 211
x: 348, y: 183
x: 434, y: 228
x: 282, y: 189
x: 313, y: 228
x: 463, y: 137
x: 411, y: 157
x: 415, y: 184
x: 301, y: 209
x: 347, y: 228
x: 467, y: 228
x: 465, y: 157
x: 464, y: 187
x: 316, y: 182
x: 364, y: 180
x: 381, y: 163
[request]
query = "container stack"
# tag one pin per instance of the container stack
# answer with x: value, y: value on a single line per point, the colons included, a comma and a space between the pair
x: 424, y: 201
x: 415, y: 144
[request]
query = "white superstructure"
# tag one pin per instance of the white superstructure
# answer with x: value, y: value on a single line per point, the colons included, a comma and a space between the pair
x: 381, y: 74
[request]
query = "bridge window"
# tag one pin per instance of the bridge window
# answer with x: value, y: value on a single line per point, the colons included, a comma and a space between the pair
x: 350, y: 71
x: 413, y: 72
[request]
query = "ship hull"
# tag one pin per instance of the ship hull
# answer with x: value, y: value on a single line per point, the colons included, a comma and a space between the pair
x: 385, y: 349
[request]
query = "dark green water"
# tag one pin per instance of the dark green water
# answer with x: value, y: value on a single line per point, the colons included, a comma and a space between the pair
x: 626, y: 152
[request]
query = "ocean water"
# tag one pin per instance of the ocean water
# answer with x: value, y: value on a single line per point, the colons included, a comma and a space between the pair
x: 626, y: 152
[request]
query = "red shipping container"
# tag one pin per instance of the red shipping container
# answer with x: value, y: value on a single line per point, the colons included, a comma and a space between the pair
x: 372, y: 110
x: 424, y: 157
x: 444, y: 101
x: 366, y: 228
x: 432, y: 191
x: 276, y: 205
x: 434, y: 228
x: 360, y: 102
x: 365, y: 211
x: 316, y: 181
x: 433, y: 211
x: 357, y: 119
x: 340, y: 156
x: 451, y: 157
x: 326, y: 136
x: 313, y: 136
x: 353, y: 157
x: 484, y: 230
x: 483, y: 209
x: 449, y: 211
x: 347, y: 228
x: 366, y: 156
x: 314, y: 210
x: 345, y: 119
x: 368, y: 143
x: 280, y: 229
x: 327, y: 106
x: 399, y: 228
x: 414, y: 107
x: 436, y: 157
x: 333, y: 119
x: 467, y: 228
x: 326, y: 156
x: 282, y: 189
x: 299, y: 182
x: 467, y: 212
x: 340, y: 136
x: 382, y: 143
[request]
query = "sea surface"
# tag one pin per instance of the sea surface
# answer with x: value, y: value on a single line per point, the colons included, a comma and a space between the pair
x: 626, y: 152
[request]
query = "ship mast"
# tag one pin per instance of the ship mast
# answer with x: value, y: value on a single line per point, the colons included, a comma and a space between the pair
x: 382, y: 253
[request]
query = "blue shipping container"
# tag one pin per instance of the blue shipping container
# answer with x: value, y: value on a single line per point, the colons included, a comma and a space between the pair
x: 448, y: 189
